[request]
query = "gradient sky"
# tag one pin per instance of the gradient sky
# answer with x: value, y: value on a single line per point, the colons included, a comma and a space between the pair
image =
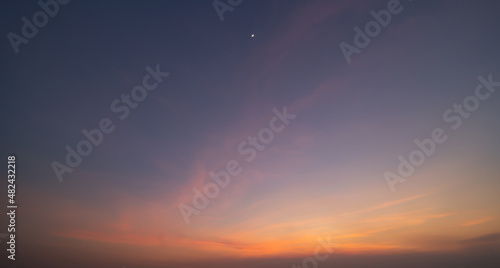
x: 322, y: 176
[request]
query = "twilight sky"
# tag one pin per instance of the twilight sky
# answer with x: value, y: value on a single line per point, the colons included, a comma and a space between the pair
x: 300, y: 136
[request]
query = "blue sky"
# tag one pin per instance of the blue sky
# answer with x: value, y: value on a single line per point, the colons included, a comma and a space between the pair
x: 322, y: 175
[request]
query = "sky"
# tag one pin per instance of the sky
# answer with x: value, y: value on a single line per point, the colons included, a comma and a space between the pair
x: 252, y: 133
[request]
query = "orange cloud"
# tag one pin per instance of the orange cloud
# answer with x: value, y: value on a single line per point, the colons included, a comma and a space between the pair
x: 387, y: 204
x: 476, y: 222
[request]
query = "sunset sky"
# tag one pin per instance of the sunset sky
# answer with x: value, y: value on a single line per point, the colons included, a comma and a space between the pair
x: 319, y: 178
